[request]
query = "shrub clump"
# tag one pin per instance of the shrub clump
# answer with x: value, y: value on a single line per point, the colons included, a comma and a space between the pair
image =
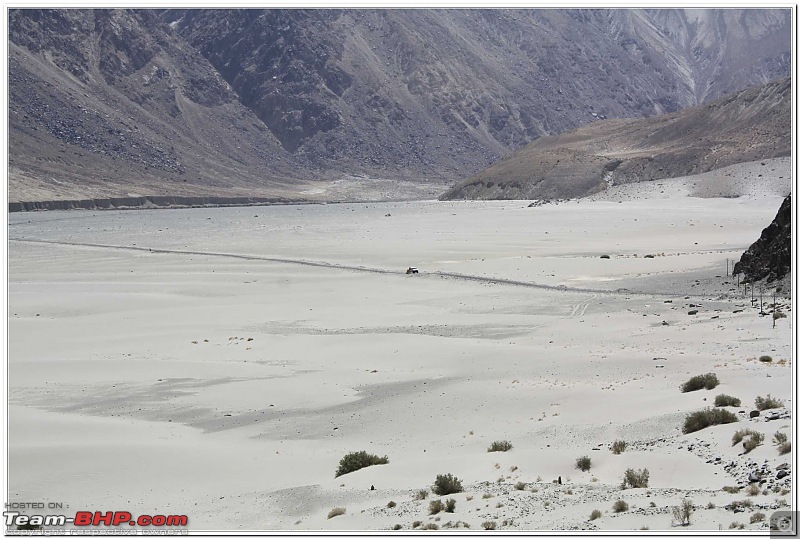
x: 436, y: 506
x: 706, y: 418
x: 490, y: 525
x: 757, y: 517
x: 595, y: 514
x: 584, y: 463
x: 391, y: 504
x: 420, y: 495
x: 520, y: 485
x: 683, y: 512
x: 701, y: 381
x: 620, y: 506
x: 784, y: 448
x: 357, y: 460
x: 336, y: 511
x: 768, y: 402
x: 765, y: 359
x: 618, y: 446
x: 752, y: 439
x: 727, y: 400
x: 450, y: 505
x: 634, y: 479
x: 502, y: 445
x: 447, y: 484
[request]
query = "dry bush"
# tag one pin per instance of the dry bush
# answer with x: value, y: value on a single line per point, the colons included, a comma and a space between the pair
x: 595, y: 514
x: 634, y: 479
x: 618, y: 446
x: 757, y: 517
x: 490, y: 525
x: 682, y: 513
x: 450, y: 506
x: 620, y: 506
x: 731, y: 490
x: 357, y: 460
x: 502, y: 445
x: 520, y: 485
x: 767, y: 403
x: 701, y: 381
x: 336, y: 511
x: 765, y: 359
x: 706, y: 418
x: 447, y: 484
x: 753, y: 490
x: 727, y: 400
x: 785, y: 448
x: 420, y: 495
x: 584, y: 463
x: 391, y: 504
x: 436, y: 506
x: 780, y: 438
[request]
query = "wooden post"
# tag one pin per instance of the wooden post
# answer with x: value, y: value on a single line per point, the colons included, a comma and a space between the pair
x: 726, y: 267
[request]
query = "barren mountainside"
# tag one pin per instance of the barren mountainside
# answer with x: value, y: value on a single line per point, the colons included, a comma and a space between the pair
x: 751, y: 125
x: 119, y: 103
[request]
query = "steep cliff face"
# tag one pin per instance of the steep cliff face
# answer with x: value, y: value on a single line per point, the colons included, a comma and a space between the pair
x: 119, y: 102
x: 751, y: 125
x: 770, y: 257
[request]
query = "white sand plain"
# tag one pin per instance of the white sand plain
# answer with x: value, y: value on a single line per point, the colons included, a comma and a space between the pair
x: 226, y: 386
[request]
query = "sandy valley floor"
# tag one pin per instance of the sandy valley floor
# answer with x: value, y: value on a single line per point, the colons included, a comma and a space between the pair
x: 219, y: 362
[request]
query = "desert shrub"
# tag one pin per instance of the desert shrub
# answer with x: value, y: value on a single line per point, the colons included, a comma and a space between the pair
x: 736, y: 525
x: 430, y: 526
x: 768, y: 402
x: 701, y: 381
x: 634, y: 479
x: 620, y: 506
x: 618, y: 446
x: 520, y: 485
x: 754, y: 440
x: 390, y: 505
x: 731, y: 490
x: 706, y: 418
x: 487, y: 495
x: 765, y: 359
x: 450, y: 505
x: 683, y: 512
x: 711, y: 505
x: 739, y: 504
x: 336, y: 511
x: 490, y: 525
x: 436, y: 506
x: 726, y: 400
x: 421, y: 495
x: 780, y: 438
x: 595, y: 514
x: 739, y: 435
x: 583, y: 463
x: 416, y: 524
x: 757, y: 517
x: 447, y: 484
x: 357, y: 460
x: 397, y: 527
x: 785, y: 448
x: 753, y: 490
x: 502, y: 445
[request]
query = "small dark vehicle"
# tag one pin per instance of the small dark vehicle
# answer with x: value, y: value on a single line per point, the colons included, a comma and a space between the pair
x: 411, y: 270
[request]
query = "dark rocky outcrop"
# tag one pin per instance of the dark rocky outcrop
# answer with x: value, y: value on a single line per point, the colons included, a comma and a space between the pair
x: 770, y: 257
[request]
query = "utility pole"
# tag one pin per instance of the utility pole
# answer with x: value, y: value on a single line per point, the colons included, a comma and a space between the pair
x: 726, y: 267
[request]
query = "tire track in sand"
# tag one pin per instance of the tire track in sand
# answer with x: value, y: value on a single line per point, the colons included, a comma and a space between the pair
x: 364, y: 269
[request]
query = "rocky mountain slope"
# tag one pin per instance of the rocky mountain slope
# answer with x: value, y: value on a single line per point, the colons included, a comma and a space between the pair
x: 770, y: 257
x: 109, y: 103
x: 751, y: 125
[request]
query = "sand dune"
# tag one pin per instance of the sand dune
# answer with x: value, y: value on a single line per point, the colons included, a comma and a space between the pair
x: 229, y: 387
